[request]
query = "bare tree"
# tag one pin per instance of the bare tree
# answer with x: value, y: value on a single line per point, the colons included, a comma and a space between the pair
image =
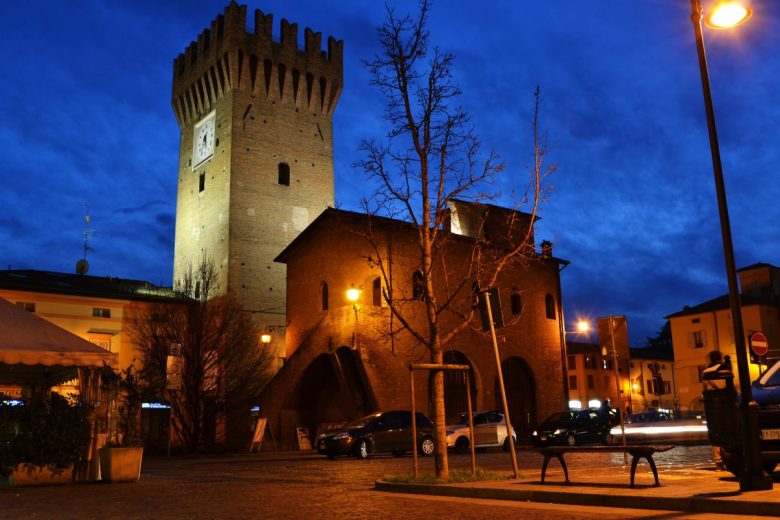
x: 223, y: 365
x: 431, y: 158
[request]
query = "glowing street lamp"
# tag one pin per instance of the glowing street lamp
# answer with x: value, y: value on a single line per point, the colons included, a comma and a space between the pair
x: 353, y: 295
x: 752, y: 477
x: 583, y: 327
x: 728, y: 14
x: 265, y: 339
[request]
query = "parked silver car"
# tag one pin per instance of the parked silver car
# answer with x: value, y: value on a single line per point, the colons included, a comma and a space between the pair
x: 489, y: 431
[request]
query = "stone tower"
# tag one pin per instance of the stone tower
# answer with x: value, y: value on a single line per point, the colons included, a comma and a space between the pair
x: 256, y: 152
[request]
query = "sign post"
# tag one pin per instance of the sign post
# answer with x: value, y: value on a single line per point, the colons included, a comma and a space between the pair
x: 491, y: 319
x: 173, y: 383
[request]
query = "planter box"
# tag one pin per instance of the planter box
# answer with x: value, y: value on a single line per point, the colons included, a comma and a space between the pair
x: 28, y: 475
x: 121, y: 464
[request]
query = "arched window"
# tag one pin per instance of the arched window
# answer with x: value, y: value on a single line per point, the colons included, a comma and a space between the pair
x: 284, y: 174
x: 516, y: 301
x: 376, y: 294
x: 324, y: 291
x: 549, y: 305
x: 418, y: 286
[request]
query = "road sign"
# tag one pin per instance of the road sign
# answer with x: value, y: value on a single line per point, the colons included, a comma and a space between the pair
x: 758, y: 343
x: 173, y: 372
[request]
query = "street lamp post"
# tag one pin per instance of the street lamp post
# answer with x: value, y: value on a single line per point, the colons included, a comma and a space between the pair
x: 752, y: 476
x: 618, y: 385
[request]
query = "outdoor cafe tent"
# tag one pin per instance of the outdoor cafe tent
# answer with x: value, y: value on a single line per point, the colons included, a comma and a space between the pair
x: 34, y: 351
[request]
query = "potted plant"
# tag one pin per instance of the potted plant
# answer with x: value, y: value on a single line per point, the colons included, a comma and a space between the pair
x: 41, y: 439
x: 120, y: 459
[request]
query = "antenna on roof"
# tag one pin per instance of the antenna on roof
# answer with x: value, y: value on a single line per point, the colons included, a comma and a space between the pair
x: 82, y: 266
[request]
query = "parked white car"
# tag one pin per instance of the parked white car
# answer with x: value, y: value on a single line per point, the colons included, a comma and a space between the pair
x: 489, y: 431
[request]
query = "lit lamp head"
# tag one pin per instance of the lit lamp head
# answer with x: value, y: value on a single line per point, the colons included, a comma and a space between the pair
x: 728, y: 13
x: 583, y: 326
x: 265, y: 339
x: 353, y: 295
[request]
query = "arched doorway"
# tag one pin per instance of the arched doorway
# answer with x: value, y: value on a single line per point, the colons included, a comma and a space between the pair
x: 332, y: 389
x: 520, y: 394
x: 455, y: 395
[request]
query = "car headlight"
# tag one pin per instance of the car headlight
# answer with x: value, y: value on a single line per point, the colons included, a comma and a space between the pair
x: 342, y: 436
x: 534, y: 433
x: 558, y: 432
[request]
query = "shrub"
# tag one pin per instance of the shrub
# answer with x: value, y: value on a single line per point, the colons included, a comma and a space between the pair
x: 45, y: 431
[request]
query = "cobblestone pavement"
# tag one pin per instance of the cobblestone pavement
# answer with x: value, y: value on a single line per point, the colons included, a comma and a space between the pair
x: 300, y: 485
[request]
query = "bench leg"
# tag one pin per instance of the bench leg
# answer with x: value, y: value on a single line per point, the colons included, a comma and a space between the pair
x: 558, y: 456
x: 649, y: 459
x: 650, y: 462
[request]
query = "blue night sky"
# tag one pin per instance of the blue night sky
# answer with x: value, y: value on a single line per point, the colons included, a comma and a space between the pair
x: 86, y: 117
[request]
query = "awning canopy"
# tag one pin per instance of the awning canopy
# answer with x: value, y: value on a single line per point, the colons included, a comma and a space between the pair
x: 32, y: 347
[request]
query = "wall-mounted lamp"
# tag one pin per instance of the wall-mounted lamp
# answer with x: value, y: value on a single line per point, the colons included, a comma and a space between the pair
x: 265, y: 338
x: 353, y: 295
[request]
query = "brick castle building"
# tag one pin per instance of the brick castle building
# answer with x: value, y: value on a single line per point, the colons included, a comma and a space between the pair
x: 255, y: 181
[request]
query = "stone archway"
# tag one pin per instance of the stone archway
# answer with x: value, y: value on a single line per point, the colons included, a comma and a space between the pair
x: 520, y: 394
x: 332, y: 389
x: 455, y: 400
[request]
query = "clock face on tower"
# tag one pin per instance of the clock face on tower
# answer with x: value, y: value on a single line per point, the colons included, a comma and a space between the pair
x: 203, y: 140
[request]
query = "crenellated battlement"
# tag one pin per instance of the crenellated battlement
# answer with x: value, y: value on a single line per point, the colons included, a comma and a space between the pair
x: 226, y: 57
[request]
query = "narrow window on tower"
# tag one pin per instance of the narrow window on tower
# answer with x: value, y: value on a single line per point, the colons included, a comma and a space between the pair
x: 202, y: 182
x: 418, y: 286
x: 516, y: 301
x: 324, y: 294
x: 549, y: 305
x: 376, y: 295
x: 284, y: 174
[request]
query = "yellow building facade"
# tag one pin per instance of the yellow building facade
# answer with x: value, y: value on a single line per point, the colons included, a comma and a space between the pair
x: 91, y: 307
x: 704, y: 329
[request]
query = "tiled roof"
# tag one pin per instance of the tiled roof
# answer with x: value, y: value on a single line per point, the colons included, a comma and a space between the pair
x: 722, y: 303
x: 83, y: 285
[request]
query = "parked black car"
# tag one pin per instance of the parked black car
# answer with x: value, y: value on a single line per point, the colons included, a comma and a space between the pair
x: 383, y: 432
x: 766, y: 392
x: 572, y: 428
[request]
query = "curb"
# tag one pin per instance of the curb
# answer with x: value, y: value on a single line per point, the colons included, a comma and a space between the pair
x: 689, y: 505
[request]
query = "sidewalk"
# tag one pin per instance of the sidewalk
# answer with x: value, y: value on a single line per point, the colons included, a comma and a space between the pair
x: 689, y: 490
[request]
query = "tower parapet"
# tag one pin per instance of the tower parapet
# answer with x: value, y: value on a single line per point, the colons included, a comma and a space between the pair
x: 226, y: 57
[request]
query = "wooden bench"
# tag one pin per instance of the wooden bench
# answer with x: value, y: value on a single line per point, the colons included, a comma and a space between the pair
x: 637, y: 452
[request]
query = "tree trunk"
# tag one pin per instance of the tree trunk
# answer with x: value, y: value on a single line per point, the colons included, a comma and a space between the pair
x: 439, y: 423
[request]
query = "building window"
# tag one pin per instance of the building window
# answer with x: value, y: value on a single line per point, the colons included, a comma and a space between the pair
x: 572, y: 362
x: 102, y: 342
x: 607, y: 382
x: 698, y: 339
x: 284, y: 174
x: 606, y: 363
x: 418, y: 286
x: 324, y: 295
x: 376, y: 294
x: 549, y: 305
x: 201, y: 182
x: 590, y: 362
x: 590, y: 382
x: 98, y: 312
x: 28, y: 306
x: 516, y: 302
x: 572, y: 382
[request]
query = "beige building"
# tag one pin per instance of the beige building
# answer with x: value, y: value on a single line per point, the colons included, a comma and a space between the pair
x: 700, y: 330
x: 91, y: 307
x: 591, y: 376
